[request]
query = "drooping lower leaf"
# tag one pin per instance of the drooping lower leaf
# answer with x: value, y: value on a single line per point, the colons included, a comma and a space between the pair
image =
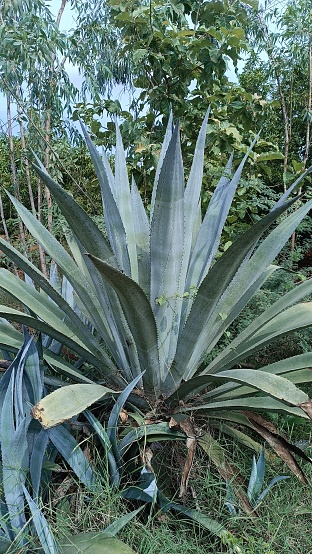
x: 64, y: 403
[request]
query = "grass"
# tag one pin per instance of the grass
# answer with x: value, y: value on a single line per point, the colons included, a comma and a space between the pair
x: 283, y: 525
x: 281, y: 528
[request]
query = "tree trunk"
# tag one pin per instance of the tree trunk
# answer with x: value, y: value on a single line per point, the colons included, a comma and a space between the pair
x: 14, y: 172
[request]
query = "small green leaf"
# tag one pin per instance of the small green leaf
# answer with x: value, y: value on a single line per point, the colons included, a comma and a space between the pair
x: 93, y: 543
x: 64, y: 403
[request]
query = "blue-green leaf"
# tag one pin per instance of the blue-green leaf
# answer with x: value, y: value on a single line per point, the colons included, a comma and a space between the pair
x: 44, y: 532
x: 71, y: 451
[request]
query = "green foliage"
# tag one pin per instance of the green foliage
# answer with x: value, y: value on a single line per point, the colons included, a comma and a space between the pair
x: 25, y: 450
x: 178, y: 55
x: 150, y: 297
x: 255, y: 493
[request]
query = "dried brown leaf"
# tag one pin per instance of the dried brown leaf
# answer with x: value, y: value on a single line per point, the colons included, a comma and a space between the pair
x: 281, y: 449
x: 123, y: 416
x: 307, y: 408
x: 191, y: 449
x: 261, y: 421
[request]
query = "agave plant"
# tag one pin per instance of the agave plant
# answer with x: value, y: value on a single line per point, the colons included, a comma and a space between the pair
x: 27, y: 456
x: 156, y: 297
x: 255, y: 493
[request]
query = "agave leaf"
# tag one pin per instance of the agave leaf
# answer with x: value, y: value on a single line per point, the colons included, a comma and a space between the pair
x: 148, y: 432
x: 114, y: 331
x: 72, y: 453
x: 212, y: 225
x: 36, y: 459
x: 167, y: 243
x: 211, y: 525
x: 121, y: 342
x: 294, y: 363
x: 296, y: 369
x: 192, y: 195
x: 250, y: 272
x: 32, y: 322
x: 65, y: 368
x: 258, y: 404
x: 42, y: 527
x: 164, y: 148
x: 194, y: 183
x: 294, y: 186
x: 14, y: 466
x: 45, y: 309
x: 4, y: 544
x: 274, y: 385
x: 64, y: 261
x: 44, y: 285
x: 279, y: 445
x: 291, y: 319
x: 237, y: 435
x: 279, y: 306
x: 193, y: 343
x: 140, y: 320
x: 113, y: 221
x: 101, y: 433
x: 62, y: 404
x: 271, y: 484
x: 10, y: 338
x: 93, y: 543
x: 123, y: 199
x: 31, y: 373
x: 299, y: 376
x: 256, y: 479
x: 112, y: 425
x: 79, y: 221
x: 142, y: 238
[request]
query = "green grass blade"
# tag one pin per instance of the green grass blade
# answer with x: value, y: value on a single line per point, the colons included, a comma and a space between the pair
x: 120, y: 523
x: 204, y: 521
